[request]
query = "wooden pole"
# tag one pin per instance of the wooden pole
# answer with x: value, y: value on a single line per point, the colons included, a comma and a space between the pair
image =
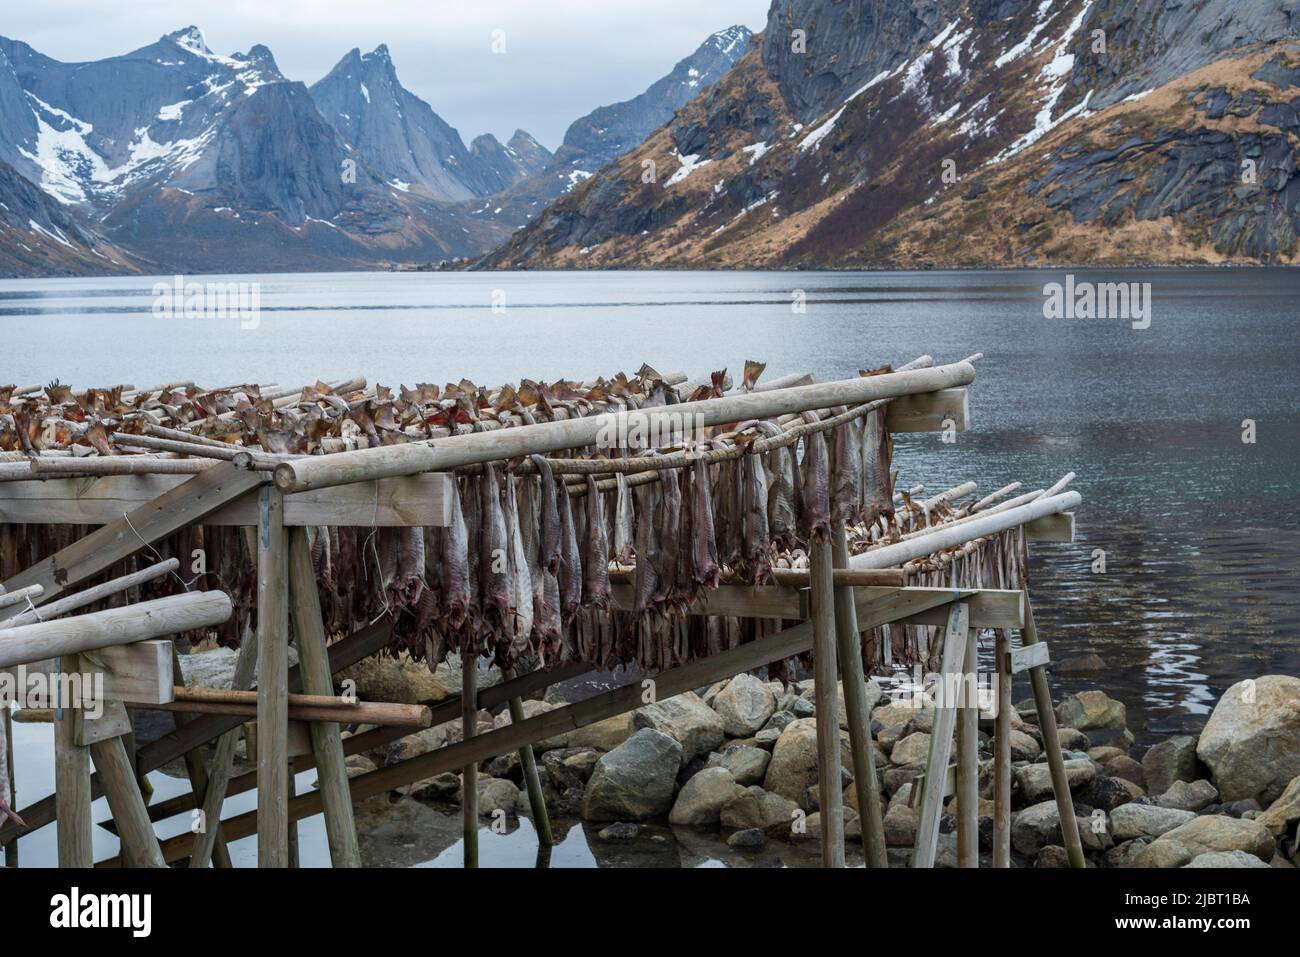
x: 72, y: 784
x: 469, y: 776
x: 528, y: 761
x: 214, y: 795
x: 11, y: 848
x: 139, y: 842
x: 968, y: 837
x: 945, y: 716
x: 1002, y: 754
x: 855, y: 705
x: 91, y: 595
x: 272, y: 683
x: 1052, y: 745
x: 198, y: 775
x: 828, y: 722
x: 382, y: 713
x: 319, y: 471
x: 115, y: 626
x: 326, y: 740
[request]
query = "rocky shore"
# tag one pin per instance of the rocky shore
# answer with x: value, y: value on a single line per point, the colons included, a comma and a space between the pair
x: 734, y: 766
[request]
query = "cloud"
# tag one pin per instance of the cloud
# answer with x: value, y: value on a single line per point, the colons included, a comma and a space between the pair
x: 562, y: 58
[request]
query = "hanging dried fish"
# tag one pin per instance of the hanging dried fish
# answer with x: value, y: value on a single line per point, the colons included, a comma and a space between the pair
x: 595, y: 564
x: 846, y: 483
x: 705, y: 570
x: 669, y: 521
x: 521, y: 581
x: 755, y: 552
x: 570, y: 560
x: 781, y: 491
x: 494, y: 555
x: 877, y: 453
x: 814, y: 504
x: 454, y: 564
x: 646, y: 579
x: 624, y: 522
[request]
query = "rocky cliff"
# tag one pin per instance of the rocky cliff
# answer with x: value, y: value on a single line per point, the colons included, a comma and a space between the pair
x: 916, y: 133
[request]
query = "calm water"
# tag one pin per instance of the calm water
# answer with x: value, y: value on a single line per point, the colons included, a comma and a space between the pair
x: 1201, y: 531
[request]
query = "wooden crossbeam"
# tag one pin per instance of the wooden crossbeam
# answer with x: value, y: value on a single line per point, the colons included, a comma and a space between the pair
x: 1051, y: 528
x: 416, y: 500
x: 929, y: 412
x: 130, y: 530
x: 945, y: 719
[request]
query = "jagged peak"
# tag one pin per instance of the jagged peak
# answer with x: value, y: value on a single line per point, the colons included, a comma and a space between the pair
x: 189, y: 39
x: 730, y: 38
x: 379, y: 53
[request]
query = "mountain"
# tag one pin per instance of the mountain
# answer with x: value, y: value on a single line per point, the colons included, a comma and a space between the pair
x: 913, y: 133
x: 600, y: 137
x: 403, y: 140
x: 201, y: 162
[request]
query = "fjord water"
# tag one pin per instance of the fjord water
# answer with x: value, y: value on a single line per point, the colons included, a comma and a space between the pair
x: 1201, y: 531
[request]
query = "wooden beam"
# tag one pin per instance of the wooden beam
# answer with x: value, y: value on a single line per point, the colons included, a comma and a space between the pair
x: 968, y: 759
x: 469, y: 773
x: 1002, y: 754
x: 1021, y: 659
x: 945, y: 717
x: 827, y: 714
x: 139, y: 842
x: 188, y: 503
x: 929, y: 412
x: 417, y: 500
x: 141, y: 671
x: 1051, y: 528
x: 72, y: 789
x: 272, y: 683
x: 988, y: 608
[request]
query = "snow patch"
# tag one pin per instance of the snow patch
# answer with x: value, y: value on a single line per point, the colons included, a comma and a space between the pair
x: 690, y: 163
x: 811, y: 141
x: 756, y: 151
x: 173, y: 111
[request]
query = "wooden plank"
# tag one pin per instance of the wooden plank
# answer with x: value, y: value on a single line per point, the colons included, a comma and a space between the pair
x: 954, y: 654
x: 1030, y: 656
x: 1051, y: 528
x: 141, y: 671
x: 113, y: 723
x: 272, y: 682
x: 989, y: 608
x: 72, y: 788
x: 744, y: 601
x: 968, y: 774
x: 928, y: 412
x: 469, y: 773
x: 187, y: 504
x: 420, y: 500
x: 1002, y: 755
x: 920, y: 782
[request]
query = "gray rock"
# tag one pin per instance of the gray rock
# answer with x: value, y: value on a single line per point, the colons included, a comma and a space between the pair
x: 687, y: 720
x: 1252, y: 741
x: 1214, y: 833
x: 570, y: 767
x: 747, y: 765
x: 779, y: 720
x: 1173, y: 759
x: 913, y: 749
x: 1188, y: 795
x: 1162, y: 854
x: 756, y: 808
x: 750, y: 839
x: 634, y: 781
x: 1226, y: 859
x: 744, y: 705
x: 1035, y: 827
x: 621, y: 833
x: 1035, y: 780
x: 900, y: 826
x: 1023, y: 747
x: 1091, y: 709
x: 1130, y: 821
x: 700, y: 802
x: 1283, y: 812
x: 216, y: 668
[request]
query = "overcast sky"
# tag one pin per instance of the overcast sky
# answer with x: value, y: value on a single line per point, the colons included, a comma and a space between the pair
x: 562, y: 57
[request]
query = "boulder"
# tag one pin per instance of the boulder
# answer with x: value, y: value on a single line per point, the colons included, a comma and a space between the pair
x: 1035, y: 780
x: 913, y: 749
x: 532, y: 708
x: 873, y: 696
x: 634, y: 781
x: 700, y: 802
x: 216, y: 669
x: 793, y: 767
x: 754, y: 807
x: 621, y: 833
x: 406, y: 681
x: 1054, y: 856
x: 1251, y: 743
x: 1129, y: 821
x: 570, y: 767
x: 1211, y: 832
x: 603, y: 735
x: 779, y: 720
x: 744, y: 705
x: 900, y: 826
x: 1104, y: 753
x: 1188, y: 795
x: 496, y: 794
x: 1023, y: 747
x: 750, y: 839
x: 1035, y: 827
x: 1226, y: 859
x: 687, y: 720
x: 1072, y: 739
x: 1284, y: 812
x: 1162, y: 853
x: 1091, y: 709
x: 1122, y: 766
x: 747, y: 765
x: 1173, y: 759
x: 1108, y: 793
x: 812, y: 829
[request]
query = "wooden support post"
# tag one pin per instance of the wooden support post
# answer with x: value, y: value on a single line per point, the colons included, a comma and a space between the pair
x: 72, y: 784
x: 272, y: 684
x: 849, y: 643
x: 198, y: 774
x: 968, y: 837
x: 828, y: 722
x: 1002, y: 754
x: 469, y: 776
x: 528, y: 761
x: 1052, y: 744
x: 327, y: 742
x: 140, y: 846
x: 945, y: 716
x: 11, y: 848
x: 293, y: 824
